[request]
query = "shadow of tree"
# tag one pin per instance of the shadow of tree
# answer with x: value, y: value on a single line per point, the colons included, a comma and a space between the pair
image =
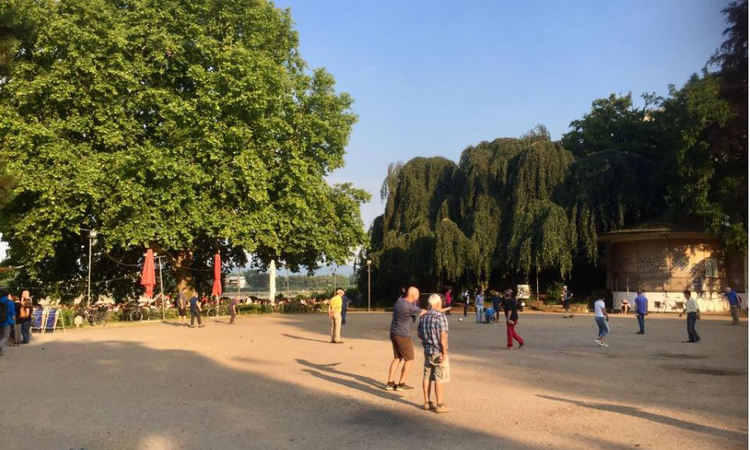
x: 124, y: 395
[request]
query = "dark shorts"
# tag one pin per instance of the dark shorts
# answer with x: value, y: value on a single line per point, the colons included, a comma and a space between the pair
x: 403, y: 348
x: 183, y: 312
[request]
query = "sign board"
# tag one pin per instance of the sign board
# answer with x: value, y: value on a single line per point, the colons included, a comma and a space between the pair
x: 523, y: 291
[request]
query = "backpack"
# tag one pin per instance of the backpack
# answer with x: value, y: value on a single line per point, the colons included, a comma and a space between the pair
x: 3, y: 311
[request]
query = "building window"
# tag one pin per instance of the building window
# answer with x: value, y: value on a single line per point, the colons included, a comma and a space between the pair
x: 712, y: 268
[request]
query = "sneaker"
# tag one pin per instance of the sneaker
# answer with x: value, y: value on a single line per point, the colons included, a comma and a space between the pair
x: 390, y: 386
x: 520, y: 345
x: 403, y: 387
x: 429, y: 406
x: 641, y: 332
x: 598, y: 342
x: 605, y: 344
x: 441, y: 409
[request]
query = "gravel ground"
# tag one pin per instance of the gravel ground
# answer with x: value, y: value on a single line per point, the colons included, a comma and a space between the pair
x: 273, y: 382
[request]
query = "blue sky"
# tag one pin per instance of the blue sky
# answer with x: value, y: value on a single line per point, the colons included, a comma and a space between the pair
x: 430, y: 78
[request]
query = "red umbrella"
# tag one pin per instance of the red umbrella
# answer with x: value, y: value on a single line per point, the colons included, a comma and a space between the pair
x: 216, y: 292
x: 148, y: 277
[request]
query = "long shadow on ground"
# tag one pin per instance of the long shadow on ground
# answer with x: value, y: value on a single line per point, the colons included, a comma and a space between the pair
x: 122, y: 395
x: 658, y: 418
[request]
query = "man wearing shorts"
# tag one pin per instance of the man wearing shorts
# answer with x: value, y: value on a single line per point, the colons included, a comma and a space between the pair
x: 182, y: 307
x: 403, y: 349
x: 433, y: 330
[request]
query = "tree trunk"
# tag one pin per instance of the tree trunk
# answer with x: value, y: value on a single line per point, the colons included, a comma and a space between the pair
x: 182, y: 273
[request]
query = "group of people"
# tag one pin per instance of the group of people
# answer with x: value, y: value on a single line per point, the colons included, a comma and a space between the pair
x: 15, y: 318
x: 691, y: 308
x: 432, y: 330
x: 196, y: 304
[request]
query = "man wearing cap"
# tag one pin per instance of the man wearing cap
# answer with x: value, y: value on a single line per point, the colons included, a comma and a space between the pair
x: 334, y: 312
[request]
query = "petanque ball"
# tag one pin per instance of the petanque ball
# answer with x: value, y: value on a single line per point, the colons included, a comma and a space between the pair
x: 460, y: 319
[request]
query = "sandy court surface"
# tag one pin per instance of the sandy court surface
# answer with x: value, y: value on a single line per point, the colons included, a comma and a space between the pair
x: 273, y: 382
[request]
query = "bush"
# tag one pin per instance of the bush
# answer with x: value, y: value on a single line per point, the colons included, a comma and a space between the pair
x: 554, y: 292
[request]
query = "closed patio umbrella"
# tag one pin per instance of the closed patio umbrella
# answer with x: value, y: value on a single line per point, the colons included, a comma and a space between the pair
x: 216, y: 292
x: 148, y: 277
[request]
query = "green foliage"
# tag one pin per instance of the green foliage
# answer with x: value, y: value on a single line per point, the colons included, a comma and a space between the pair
x: 493, y: 214
x: 613, y: 124
x: 609, y: 190
x: 184, y: 126
x: 708, y: 172
x: 554, y: 293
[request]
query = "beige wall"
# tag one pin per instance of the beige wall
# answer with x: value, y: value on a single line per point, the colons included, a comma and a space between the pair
x: 672, y: 265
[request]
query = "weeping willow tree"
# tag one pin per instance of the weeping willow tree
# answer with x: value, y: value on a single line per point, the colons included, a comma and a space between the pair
x: 510, y: 207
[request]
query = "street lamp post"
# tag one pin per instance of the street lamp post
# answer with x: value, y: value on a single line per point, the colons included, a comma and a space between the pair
x: 92, y: 238
x: 369, y: 290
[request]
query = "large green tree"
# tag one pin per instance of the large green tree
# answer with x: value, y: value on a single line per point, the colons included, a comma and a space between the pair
x: 186, y: 126
x: 510, y: 207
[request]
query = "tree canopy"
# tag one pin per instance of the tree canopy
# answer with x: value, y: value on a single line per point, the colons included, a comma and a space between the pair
x: 510, y: 206
x: 186, y: 126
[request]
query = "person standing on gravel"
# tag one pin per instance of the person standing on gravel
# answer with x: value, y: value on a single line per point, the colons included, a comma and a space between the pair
x: 496, y: 302
x: 641, y: 311
x: 334, y: 312
x: 479, y: 305
x: 601, y: 317
x: 233, y: 309
x: 195, y: 310
x: 510, y: 305
x: 693, y: 314
x: 433, y: 331
x: 403, y: 348
x: 567, y: 296
x: 7, y: 318
x: 466, y: 302
x: 731, y: 297
x: 182, y: 307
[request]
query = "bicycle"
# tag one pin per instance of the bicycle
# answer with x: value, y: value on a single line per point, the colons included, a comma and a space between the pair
x: 216, y: 309
x: 96, y: 317
x: 138, y: 313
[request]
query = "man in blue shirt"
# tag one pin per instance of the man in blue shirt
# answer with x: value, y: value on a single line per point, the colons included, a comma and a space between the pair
x: 641, y: 311
x: 195, y: 310
x: 8, y: 310
x: 731, y: 297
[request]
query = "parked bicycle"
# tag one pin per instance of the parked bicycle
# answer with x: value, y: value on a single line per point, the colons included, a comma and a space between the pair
x: 217, y: 308
x: 136, y: 313
x: 96, y: 316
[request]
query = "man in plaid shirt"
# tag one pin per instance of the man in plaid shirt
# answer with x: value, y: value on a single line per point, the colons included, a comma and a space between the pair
x: 433, y: 330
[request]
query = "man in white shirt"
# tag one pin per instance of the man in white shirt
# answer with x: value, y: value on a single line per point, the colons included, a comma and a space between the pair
x: 601, y: 317
x: 479, y: 305
x: 693, y: 314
